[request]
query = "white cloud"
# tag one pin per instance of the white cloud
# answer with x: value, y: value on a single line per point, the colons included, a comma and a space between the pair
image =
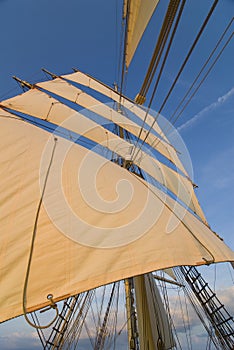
x: 25, y: 340
x: 226, y: 297
x: 20, y: 341
x: 221, y: 100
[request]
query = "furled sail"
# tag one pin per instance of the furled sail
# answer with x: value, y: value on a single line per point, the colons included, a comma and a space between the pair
x: 60, y: 114
x: 138, y: 13
x: 94, y: 222
x: 153, y: 325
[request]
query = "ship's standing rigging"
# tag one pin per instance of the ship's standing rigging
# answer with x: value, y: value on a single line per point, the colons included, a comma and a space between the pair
x: 139, y: 290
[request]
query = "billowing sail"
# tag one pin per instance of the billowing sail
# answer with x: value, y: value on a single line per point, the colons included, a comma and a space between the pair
x: 94, y: 84
x: 60, y: 114
x: 138, y: 14
x: 36, y: 103
x: 94, y: 222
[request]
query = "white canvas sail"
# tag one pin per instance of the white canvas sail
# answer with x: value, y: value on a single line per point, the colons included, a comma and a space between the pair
x: 89, y: 232
x: 153, y: 324
x: 60, y: 114
x: 90, y: 211
x: 37, y: 103
x: 92, y: 83
x: 139, y: 14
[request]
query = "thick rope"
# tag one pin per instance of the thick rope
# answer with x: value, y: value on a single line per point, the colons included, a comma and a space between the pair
x: 50, y: 296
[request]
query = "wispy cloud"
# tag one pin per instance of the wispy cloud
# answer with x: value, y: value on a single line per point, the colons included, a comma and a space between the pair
x: 226, y: 296
x: 221, y: 100
x: 20, y: 341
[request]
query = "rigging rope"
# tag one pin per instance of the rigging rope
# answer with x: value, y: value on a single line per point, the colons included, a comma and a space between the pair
x: 161, y: 42
x: 124, y: 48
x: 202, y: 69
x: 167, y: 305
x: 121, y: 45
x: 49, y: 297
x: 184, y: 323
x: 188, y: 323
x: 165, y: 130
x: 160, y: 73
x: 116, y: 313
x: 39, y: 331
x: 200, y: 312
x: 179, y: 73
x: 102, y: 333
x: 73, y: 333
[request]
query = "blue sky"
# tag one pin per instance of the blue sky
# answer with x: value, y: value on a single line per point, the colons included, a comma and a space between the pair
x: 59, y: 35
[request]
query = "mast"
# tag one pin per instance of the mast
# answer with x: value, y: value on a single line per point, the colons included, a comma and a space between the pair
x: 124, y: 163
x: 159, y: 334
x: 131, y: 315
x: 220, y: 319
x: 128, y: 283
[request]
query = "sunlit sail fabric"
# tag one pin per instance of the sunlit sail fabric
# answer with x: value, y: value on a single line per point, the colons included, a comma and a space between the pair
x: 39, y: 104
x: 5, y: 114
x: 64, y: 89
x: 140, y: 12
x: 98, y: 223
x: 60, y: 114
x: 94, y: 84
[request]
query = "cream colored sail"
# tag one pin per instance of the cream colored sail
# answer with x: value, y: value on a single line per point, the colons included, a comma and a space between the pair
x: 5, y: 114
x: 64, y: 89
x: 139, y: 13
x: 153, y: 324
x: 39, y: 104
x: 60, y: 114
x: 92, y: 83
x: 98, y: 223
